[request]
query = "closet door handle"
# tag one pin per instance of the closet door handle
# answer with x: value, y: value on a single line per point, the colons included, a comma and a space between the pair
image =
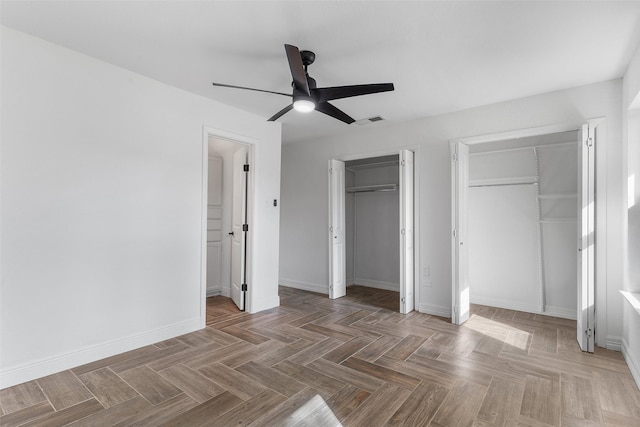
x: 231, y: 233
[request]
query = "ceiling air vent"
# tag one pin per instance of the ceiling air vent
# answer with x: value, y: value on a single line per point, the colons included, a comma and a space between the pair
x: 369, y: 120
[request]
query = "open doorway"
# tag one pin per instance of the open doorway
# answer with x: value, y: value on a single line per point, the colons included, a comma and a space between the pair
x: 520, y: 203
x: 227, y: 219
x: 371, y: 228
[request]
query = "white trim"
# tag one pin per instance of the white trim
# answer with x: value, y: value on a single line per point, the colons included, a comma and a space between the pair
x: 214, y: 293
x: 44, y: 367
x: 632, y: 362
x: 435, y: 310
x: 521, y: 133
x: 562, y: 312
x: 614, y: 343
x: 633, y: 298
x: 305, y: 286
x: 389, y: 286
x: 506, y: 304
x: 250, y: 142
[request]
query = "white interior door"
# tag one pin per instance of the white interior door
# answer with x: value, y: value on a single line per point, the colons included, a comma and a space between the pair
x: 459, y: 252
x: 337, y: 244
x: 586, y: 240
x: 239, y: 228
x: 406, y: 232
x: 214, y: 226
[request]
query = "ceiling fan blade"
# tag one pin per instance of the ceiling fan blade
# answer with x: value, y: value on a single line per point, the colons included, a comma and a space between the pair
x: 297, y: 69
x: 337, y: 92
x: 280, y: 113
x: 336, y: 113
x: 250, y: 88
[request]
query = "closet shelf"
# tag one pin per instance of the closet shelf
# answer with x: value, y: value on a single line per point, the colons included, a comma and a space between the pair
x: 500, y: 182
x: 555, y: 196
x: 371, y: 188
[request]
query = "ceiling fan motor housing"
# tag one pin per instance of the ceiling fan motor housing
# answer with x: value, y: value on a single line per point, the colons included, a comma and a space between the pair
x: 300, y: 94
x: 307, y: 57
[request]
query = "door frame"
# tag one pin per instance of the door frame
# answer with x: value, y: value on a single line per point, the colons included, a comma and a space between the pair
x: 250, y: 143
x: 601, y: 201
x: 416, y: 208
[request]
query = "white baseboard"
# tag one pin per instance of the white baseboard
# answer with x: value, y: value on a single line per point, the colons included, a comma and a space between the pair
x: 213, y: 292
x: 613, y: 343
x: 44, y: 367
x: 563, y: 312
x: 377, y: 284
x: 435, y: 310
x: 261, y: 304
x: 506, y: 304
x: 226, y: 292
x: 632, y: 361
x: 305, y: 286
x: 549, y: 310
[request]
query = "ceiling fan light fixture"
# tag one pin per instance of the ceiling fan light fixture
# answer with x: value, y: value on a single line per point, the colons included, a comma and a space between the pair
x: 304, y: 105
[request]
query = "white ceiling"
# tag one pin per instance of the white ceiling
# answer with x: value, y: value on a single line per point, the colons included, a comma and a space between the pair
x: 441, y: 56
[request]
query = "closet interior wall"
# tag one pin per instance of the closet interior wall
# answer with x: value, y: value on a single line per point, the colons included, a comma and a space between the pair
x: 522, y: 225
x: 372, y: 223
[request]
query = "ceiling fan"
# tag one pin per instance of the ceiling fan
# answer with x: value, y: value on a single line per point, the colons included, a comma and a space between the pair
x: 306, y: 97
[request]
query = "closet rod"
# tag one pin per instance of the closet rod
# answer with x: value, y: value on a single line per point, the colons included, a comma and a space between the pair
x: 372, y: 188
x: 502, y: 185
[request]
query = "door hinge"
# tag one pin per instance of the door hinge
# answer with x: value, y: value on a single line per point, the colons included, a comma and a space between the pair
x: 330, y: 170
x: 403, y: 300
x: 402, y: 231
x: 589, y: 142
x: 588, y: 332
x: 455, y: 234
x: 245, y: 168
x: 455, y: 157
x: 331, y: 229
x: 402, y: 163
x: 244, y: 287
x: 455, y: 309
x: 245, y: 227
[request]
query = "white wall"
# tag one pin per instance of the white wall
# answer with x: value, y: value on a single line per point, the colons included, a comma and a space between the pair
x: 631, y: 213
x: 303, y: 248
x: 503, y: 235
x: 102, y: 208
x: 516, y: 262
x: 376, y: 223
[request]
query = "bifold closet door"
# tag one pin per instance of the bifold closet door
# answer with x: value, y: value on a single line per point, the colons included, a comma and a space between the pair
x: 406, y: 232
x: 459, y: 211
x: 586, y: 239
x: 337, y: 243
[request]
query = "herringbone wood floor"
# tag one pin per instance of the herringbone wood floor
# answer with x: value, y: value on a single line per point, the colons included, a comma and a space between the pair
x: 352, y: 361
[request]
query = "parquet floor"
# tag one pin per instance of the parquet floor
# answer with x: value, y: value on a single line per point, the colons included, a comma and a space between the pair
x: 352, y: 361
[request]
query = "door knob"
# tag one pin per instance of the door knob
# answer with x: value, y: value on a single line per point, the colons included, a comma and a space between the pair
x: 230, y: 233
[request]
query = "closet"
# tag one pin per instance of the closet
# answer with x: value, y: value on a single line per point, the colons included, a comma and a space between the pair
x: 372, y: 222
x: 522, y: 224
